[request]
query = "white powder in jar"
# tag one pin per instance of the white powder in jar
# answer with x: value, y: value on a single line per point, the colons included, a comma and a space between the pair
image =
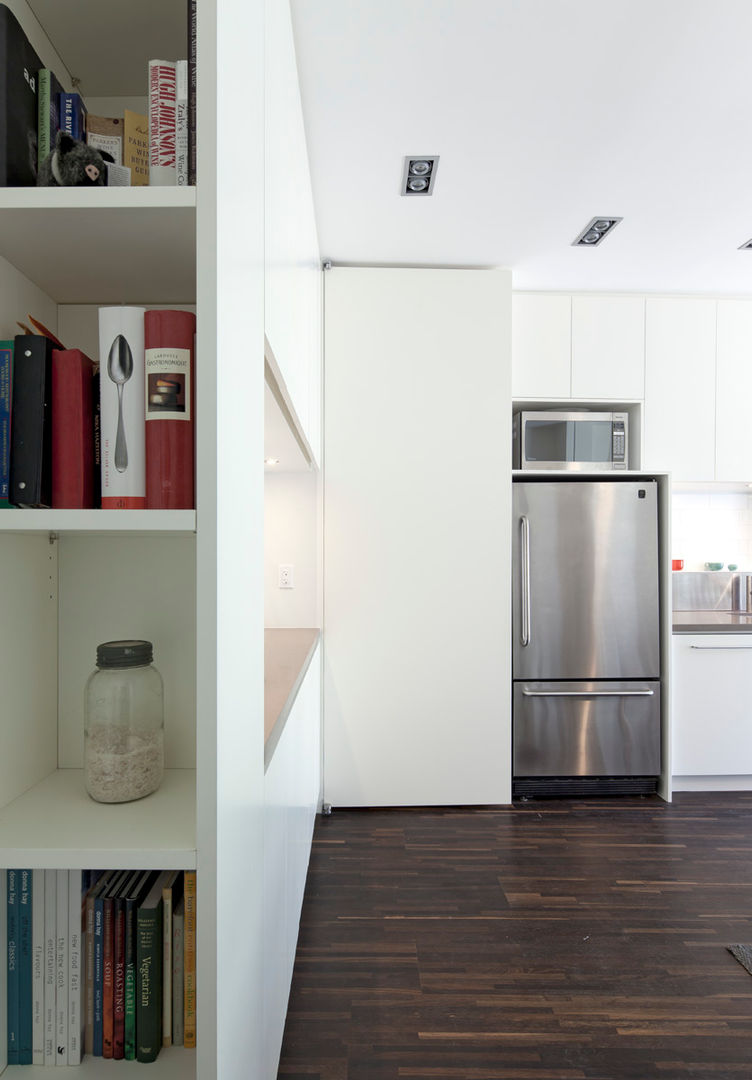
x: 122, y: 765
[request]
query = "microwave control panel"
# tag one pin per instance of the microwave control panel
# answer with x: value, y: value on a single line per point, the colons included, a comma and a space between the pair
x: 619, y: 443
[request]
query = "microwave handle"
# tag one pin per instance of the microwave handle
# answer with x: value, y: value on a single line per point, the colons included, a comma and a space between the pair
x: 525, y: 579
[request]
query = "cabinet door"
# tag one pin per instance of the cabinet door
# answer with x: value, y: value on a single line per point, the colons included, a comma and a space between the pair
x: 680, y: 387
x: 608, y: 347
x: 712, y: 686
x: 541, y: 345
x: 733, y: 386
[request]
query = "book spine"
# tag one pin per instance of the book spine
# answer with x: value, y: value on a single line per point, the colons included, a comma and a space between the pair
x: 192, y: 50
x: 118, y: 980
x: 136, y: 147
x: 44, y: 106
x: 98, y: 988
x: 31, y: 421
x: 97, y: 429
x: 50, y: 923
x: 72, y: 430
x: 162, y: 122
x: 181, y: 123
x: 72, y: 112
x: 170, y: 409
x: 12, y: 965
x: 37, y: 967
x: 6, y: 377
x: 108, y: 957
x: 148, y: 984
x: 121, y: 392
x: 189, y: 988
x: 61, y: 969
x: 75, y: 967
x: 25, y: 1018
x: 178, y: 962
x: 167, y: 966
x: 130, y: 981
x: 89, y: 975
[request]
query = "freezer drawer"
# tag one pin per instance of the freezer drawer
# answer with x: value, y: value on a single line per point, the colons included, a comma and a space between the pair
x: 587, y: 728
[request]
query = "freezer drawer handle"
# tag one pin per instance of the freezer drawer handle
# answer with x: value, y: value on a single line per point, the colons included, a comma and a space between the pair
x: 525, y: 538
x: 588, y: 693
x: 719, y: 648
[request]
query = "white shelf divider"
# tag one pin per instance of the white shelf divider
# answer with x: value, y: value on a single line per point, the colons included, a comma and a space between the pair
x: 56, y: 824
x: 131, y: 522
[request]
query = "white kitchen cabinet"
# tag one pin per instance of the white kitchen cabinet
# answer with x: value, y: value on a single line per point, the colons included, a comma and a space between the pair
x: 733, y: 449
x: 680, y: 387
x: 712, y: 716
x: 608, y: 347
x: 541, y: 345
x: 417, y: 506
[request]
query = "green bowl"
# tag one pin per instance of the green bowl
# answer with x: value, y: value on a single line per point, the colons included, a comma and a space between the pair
x: 714, y: 566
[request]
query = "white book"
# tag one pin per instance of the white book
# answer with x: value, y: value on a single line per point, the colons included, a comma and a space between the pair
x: 162, y: 122
x: 122, y: 398
x: 181, y: 124
x: 75, y: 969
x: 37, y: 967
x: 50, y: 924
x: 61, y: 970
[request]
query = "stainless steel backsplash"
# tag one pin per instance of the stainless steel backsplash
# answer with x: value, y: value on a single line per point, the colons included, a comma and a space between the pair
x: 710, y: 590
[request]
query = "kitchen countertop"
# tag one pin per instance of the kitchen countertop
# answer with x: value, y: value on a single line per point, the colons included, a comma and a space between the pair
x: 711, y: 622
x: 287, y: 654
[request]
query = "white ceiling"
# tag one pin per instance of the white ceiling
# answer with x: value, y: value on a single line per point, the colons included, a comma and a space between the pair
x: 545, y: 113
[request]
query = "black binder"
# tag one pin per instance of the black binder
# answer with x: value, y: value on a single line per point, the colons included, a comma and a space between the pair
x: 19, y: 68
x: 31, y: 421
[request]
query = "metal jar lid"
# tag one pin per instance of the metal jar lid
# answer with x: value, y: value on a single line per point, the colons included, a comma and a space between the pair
x: 124, y: 654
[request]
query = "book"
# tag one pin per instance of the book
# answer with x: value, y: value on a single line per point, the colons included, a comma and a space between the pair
x: 108, y: 964
x: 75, y: 966
x: 162, y: 122
x: 149, y: 972
x: 178, y: 971
x: 132, y: 900
x: 31, y: 421
x: 97, y: 420
x: 171, y: 892
x: 48, y: 113
x: 121, y: 395
x: 61, y: 969
x: 19, y: 65
x: 72, y: 430
x: 94, y: 1017
x: 106, y: 133
x: 72, y: 113
x: 6, y: 378
x: 37, y: 967
x: 136, y: 146
x: 11, y: 986
x: 50, y: 924
x: 25, y: 1018
x: 192, y: 44
x: 189, y: 945
x: 181, y: 123
x: 127, y: 885
x: 170, y: 409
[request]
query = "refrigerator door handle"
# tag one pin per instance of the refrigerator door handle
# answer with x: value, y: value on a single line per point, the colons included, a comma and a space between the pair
x: 525, y: 554
x: 588, y: 693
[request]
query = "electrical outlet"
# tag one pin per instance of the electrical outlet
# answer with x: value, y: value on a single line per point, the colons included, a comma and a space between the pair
x: 286, y: 578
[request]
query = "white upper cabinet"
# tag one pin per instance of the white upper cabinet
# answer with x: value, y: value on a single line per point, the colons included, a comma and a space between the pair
x: 733, y: 449
x: 608, y: 347
x: 680, y: 387
x: 541, y: 345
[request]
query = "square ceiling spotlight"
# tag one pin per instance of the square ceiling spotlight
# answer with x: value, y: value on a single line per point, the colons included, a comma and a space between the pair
x: 418, y: 175
x: 595, y: 230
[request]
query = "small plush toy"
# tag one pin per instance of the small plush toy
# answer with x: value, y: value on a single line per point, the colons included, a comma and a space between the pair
x: 73, y: 163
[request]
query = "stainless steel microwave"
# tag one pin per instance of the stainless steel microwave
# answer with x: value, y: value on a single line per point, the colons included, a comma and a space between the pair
x: 579, y: 440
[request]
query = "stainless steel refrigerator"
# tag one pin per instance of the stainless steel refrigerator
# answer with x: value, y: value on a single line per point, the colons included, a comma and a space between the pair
x: 586, y: 643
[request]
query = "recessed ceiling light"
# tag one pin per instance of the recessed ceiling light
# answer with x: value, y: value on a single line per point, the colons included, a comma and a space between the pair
x: 595, y: 230
x: 271, y: 461
x: 419, y: 174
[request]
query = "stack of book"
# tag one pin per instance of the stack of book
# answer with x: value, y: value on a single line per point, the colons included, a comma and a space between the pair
x: 119, y: 434
x: 100, y: 963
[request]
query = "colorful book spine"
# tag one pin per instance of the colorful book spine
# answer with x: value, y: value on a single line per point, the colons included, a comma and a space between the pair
x: 72, y: 430
x: 181, y: 123
x: 178, y: 971
x: 61, y: 969
x: 162, y: 122
x: 48, y: 113
x: 132, y: 901
x: 149, y: 974
x: 170, y: 409
x: 6, y: 381
x: 37, y: 967
x: 72, y: 113
x: 75, y: 968
x: 50, y: 923
x: 12, y: 988
x: 25, y: 1018
x: 192, y: 44
x: 121, y: 392
x: 189, y: 989
x: 108, y: 964
x: 136, y: 147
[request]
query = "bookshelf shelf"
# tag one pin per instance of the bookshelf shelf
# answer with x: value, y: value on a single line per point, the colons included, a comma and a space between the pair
x: 56, y: 824
x: 108, y: 246
x: 97, y: 522
x: 173, y: 1063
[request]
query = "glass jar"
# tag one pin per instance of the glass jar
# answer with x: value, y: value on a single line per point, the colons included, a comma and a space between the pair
x: 124, y: 723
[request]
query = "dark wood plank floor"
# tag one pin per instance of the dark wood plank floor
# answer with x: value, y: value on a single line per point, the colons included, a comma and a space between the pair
x: 545, y: 941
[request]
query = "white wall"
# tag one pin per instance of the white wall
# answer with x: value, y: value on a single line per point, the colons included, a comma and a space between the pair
x: 291, y: 538
x: 712, y: 527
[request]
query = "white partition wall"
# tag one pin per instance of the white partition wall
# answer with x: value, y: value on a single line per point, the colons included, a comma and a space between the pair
x: 417, y: 518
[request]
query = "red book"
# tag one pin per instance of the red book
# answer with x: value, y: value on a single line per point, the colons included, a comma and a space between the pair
x: 72, y: 430
x: 170, y: 409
